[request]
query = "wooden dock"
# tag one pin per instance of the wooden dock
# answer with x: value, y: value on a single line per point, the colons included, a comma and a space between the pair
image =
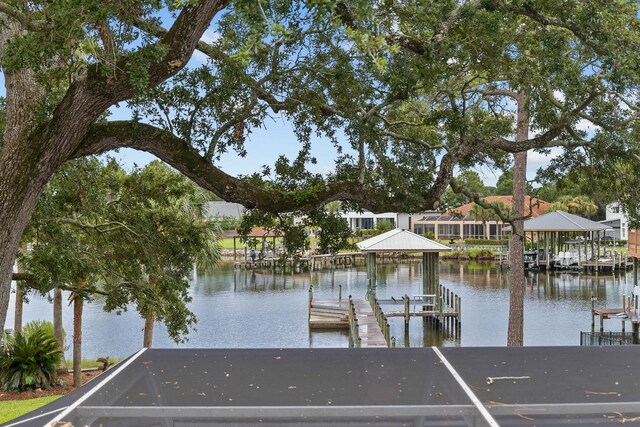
x: 356, y: 315
x: 629, y: 312
x: 329, y: 314
x: 441, y: 308
x: 366, y: 330
x: 368, y: 323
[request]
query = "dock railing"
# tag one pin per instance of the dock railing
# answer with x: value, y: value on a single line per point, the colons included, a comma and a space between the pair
x: 383, y: 322
x: 606, y: 338
x: 353, y: 323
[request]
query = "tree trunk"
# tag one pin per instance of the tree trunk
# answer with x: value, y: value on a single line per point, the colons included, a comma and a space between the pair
x: 515, y: 334
x: 23, y: 98
x: 31, y: 148
x: 147, y: 341
x: 78, y: 304
x: 57, y: 328
x: 17, y: 320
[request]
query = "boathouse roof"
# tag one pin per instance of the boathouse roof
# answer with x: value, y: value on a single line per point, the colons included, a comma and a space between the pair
x: 400, y: 240
x: 563, y: 221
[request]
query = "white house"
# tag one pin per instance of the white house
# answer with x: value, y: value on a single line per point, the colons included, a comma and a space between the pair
x: 617, y: 220
x: 368, y: 220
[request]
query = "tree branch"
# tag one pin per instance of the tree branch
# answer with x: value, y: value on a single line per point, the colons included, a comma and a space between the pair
x: 493, y: 92
x: 179, y: 42
x: 23, y: 18
x: 218, y: 55
x: 546, y: 139
x: 27, y: 277
x: 526, y: 10
x: 406, y: 42
x: 178, y: 153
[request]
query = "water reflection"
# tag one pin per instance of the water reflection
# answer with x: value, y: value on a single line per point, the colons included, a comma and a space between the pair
x: 239, y: 308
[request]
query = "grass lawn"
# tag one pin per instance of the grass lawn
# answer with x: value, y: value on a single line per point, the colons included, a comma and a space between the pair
x: 92, y: 363
x: 10, y: 409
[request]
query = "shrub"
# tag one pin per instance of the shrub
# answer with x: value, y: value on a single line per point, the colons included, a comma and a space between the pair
x: 34, y: 325
x: 485, y: 242
x: 29, y: 361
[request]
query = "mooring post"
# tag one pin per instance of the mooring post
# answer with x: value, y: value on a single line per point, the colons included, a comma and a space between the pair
x: 593, y: 313
x: 624, y: 310
x: 405, y: 300
x: 388, y: 331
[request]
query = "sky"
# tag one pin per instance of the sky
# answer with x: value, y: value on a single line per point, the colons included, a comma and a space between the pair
x: 274, y: 138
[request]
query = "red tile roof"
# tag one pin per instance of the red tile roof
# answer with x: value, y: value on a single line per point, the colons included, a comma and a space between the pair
x: 539, y: 206
x: 255, y: 232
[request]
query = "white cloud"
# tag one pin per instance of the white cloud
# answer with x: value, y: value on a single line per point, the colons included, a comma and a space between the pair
x: 199, y: 57
x: 558, y: 95
x: 210, y: 36
x: 587, y: 126
x: 321, y: 169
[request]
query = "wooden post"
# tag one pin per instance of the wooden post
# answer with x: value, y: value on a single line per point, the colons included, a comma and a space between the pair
x: 234, y: 248
x: 387, y: 334
x: 635, y: 328
x: 459, y: 313
x: 601, y: 322
x: 538, y: 249
x: 430, y: 274
x: 579, y: 256
x: 405, y: 300
x: 593, y: 320
x: 371, y: 268
x: 339, y: 292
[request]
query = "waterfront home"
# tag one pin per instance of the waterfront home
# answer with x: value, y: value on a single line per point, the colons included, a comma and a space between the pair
x: 617, y: 220
x: 465, y: 222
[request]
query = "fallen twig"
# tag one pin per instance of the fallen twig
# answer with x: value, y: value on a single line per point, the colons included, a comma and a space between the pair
x: 600, y: 392
x: 623, y: 419
x: 491, y: 380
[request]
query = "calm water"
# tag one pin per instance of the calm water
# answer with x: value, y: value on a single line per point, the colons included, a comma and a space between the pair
x: 243, y: 309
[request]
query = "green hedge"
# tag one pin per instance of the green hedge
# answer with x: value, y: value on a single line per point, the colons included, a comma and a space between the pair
x: 485, y: 242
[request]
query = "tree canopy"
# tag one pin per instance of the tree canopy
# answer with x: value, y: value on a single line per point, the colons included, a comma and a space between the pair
x: 416, y: 89
x: 112, y: 231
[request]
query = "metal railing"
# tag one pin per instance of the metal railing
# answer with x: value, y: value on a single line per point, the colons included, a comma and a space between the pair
x: 607, y: 338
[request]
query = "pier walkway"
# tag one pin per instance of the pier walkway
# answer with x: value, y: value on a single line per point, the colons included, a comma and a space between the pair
x: 365, y: 330
x: 356, y: 315
x: 368, y: 323
x: 629, y: 312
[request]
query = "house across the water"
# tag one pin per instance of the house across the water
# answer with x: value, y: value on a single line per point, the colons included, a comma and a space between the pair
x: 467, y: 222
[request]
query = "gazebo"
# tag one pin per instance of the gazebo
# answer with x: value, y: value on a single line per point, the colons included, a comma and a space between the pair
x: 556, y: 231
x: 404, y: 241
x: 255, y: 233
